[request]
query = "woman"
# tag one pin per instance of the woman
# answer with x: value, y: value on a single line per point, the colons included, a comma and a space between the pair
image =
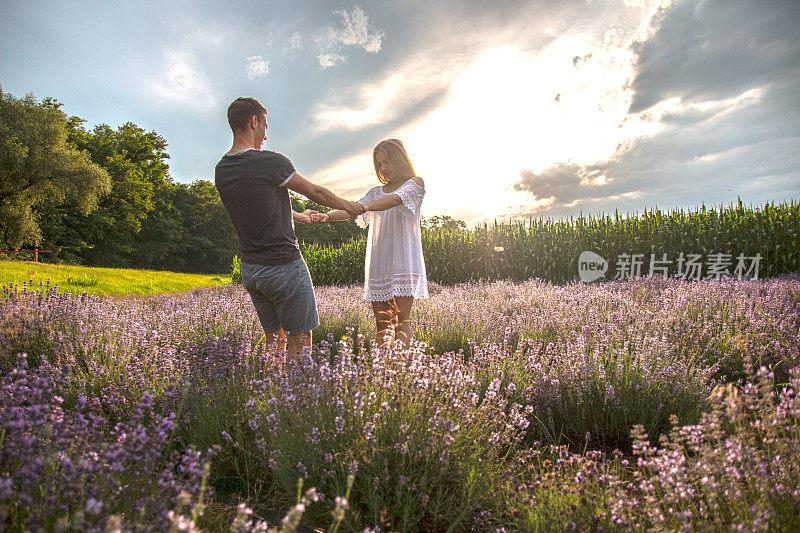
x: 394, y: 272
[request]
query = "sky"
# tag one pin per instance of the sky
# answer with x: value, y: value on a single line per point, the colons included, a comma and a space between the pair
x: 508, y: 109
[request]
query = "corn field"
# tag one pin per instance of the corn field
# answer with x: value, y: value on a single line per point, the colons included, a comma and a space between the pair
x: 549, y: 249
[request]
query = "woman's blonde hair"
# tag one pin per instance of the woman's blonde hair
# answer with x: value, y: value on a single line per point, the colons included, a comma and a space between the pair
x: 397, y: 155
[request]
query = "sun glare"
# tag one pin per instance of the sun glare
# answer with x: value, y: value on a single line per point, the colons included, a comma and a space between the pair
x: 509, y: 110
x: 514, y: 110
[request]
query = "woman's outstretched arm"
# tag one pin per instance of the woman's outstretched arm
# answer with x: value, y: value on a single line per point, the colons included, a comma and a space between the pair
x: 387, y: 202
x: 378, y: 205
x: 391, y: 200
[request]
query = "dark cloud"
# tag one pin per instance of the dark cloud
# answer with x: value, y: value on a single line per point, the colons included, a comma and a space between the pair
x: 715, y: 49
x: 578, y: 59
x: 743, y: 145
x: 751, y: 153
x: 561, y: 183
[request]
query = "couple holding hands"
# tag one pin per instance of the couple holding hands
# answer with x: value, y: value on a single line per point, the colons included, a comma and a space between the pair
x: 254, y: 186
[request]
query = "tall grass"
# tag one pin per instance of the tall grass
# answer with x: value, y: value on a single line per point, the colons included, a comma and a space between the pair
x: 549, y: 249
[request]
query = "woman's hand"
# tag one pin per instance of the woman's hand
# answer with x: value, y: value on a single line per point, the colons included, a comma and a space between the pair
x: 306, y: 217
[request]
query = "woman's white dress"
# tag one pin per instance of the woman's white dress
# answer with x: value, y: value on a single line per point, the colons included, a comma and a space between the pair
x: 394, y: 264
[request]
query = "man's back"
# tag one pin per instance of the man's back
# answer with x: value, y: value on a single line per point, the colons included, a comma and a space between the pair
x: 251, y: 184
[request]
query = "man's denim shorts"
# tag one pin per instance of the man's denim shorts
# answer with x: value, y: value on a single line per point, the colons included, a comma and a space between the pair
x: 283, y: 296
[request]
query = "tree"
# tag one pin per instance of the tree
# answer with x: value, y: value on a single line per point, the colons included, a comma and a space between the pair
x: 444, y: 222
x: 209, y: 240
x: 145, y: 219
x: 38, y: 164
x: 136, y: 163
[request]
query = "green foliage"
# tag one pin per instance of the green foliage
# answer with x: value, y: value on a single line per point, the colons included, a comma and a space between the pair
x: 38, y: 164
x: 236, y: 270
x: 189, y: 230
x: 147, y: 220
x: 336, y: 265
x: 549, y: 249
x: 455, y: 473
x: 428, y: 435
x: 135, y: 160
x: 82, y: 281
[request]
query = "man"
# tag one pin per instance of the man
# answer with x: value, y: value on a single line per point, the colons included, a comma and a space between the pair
x: 254, y: 186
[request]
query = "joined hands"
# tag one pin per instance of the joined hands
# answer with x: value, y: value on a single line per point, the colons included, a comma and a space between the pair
x: 354, y: 209
x: 310, y: 216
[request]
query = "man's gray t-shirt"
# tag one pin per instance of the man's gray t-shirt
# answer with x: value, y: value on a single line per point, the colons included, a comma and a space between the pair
x: 252, y: 187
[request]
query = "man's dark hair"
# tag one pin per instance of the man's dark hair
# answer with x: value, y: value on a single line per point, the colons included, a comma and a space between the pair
x: 242, y: 110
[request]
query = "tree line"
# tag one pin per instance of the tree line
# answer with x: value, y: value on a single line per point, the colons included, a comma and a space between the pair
x: 104, y: 196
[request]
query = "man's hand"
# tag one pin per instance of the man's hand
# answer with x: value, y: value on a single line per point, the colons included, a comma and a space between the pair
x: 311, y: 215
x: 354, y: 209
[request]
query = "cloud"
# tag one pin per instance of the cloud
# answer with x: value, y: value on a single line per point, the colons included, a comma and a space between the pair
x: 577, y: 59
x: 208, y: 35
x: 433, y: 45
x: 715, y: 49
x: 257, y: 67
x: 295, y: 42
x: 188, y: 56
x: 467, y: 109
x: 712, y: 152
x: 349, y: 177
x: 329, y: 59
x: 353, y: 30
x: 563, y: 183
x: 416, y: 85
x: 183, y: 84
x: 476, y: 105
x: 713, y: 116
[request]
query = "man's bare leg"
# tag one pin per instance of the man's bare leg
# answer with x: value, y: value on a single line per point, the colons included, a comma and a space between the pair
x: 276, y: 339
x: 295, y: 343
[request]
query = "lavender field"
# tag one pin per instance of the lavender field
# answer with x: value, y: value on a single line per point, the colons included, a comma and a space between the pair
x: 652, y: 404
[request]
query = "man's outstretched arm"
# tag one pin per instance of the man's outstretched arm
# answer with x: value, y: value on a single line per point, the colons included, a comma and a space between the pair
x: 322, y: 196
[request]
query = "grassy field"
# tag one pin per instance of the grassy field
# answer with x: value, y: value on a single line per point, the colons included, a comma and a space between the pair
x: 103, y: 281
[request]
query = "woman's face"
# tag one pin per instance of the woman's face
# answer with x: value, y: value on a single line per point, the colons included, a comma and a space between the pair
x: 385, y: 166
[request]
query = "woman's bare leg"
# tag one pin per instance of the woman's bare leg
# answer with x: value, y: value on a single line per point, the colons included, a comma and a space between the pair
x: 402, y: 306
x: 384, y: 316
